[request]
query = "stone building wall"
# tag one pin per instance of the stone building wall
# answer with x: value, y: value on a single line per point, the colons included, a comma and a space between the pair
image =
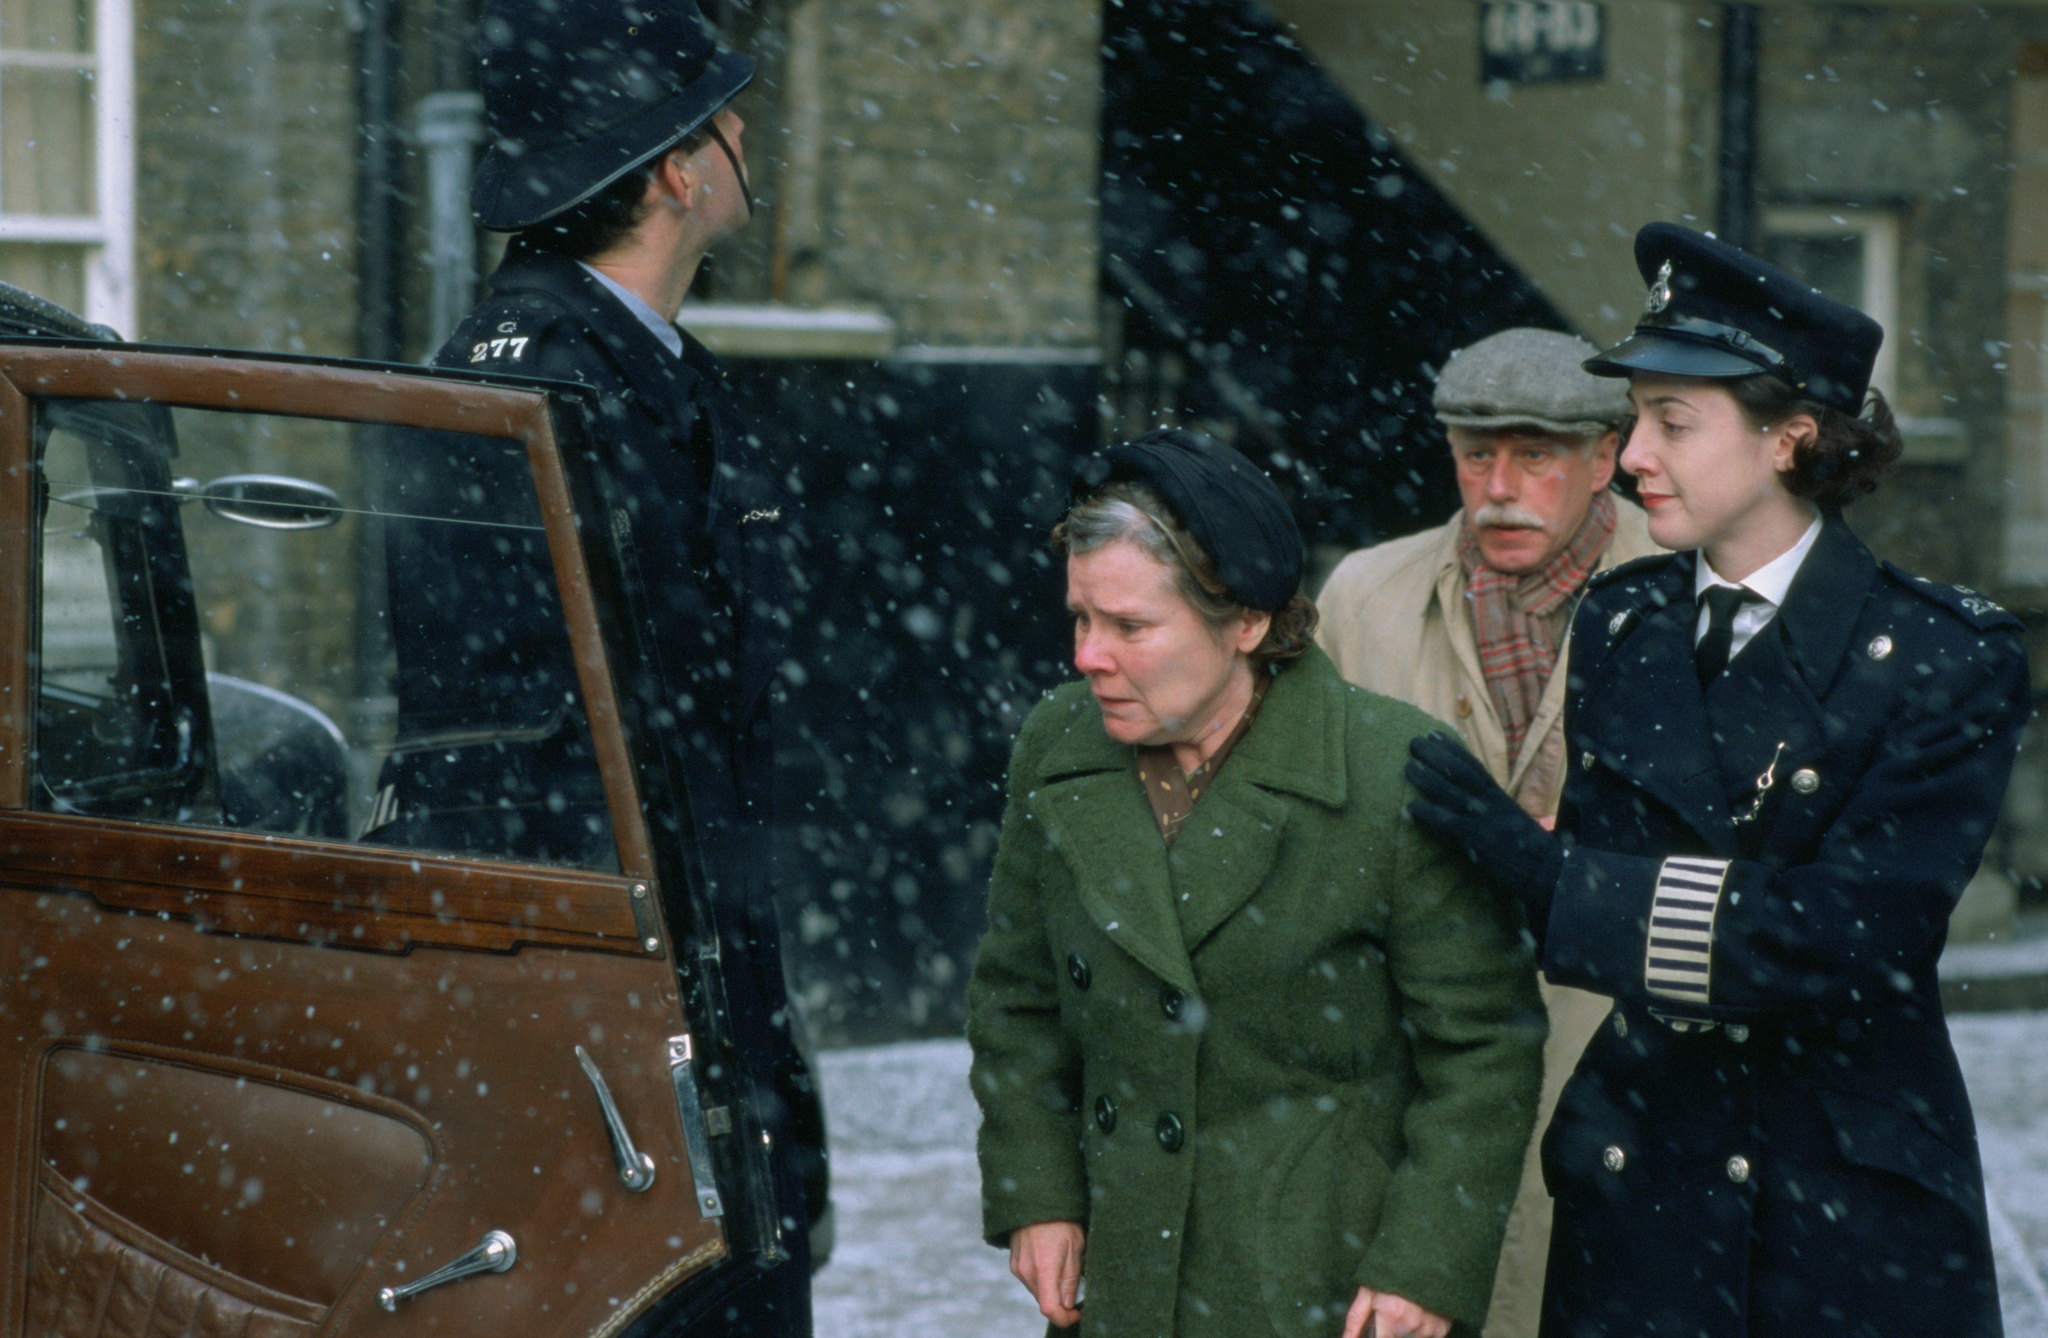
x: 939, y: 161
x: 246, y: 174
x: 1908, y: 113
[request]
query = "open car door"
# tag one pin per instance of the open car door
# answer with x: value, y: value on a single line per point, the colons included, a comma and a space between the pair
x: 338, y: 975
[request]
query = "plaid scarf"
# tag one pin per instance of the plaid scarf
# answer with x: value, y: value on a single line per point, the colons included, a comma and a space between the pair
x: 1520, y: 621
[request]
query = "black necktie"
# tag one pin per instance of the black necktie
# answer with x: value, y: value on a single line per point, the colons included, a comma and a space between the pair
x: 1711, y: 655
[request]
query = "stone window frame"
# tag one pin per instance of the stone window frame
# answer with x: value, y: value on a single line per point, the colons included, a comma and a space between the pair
x: 105, y: 233
x: 1878, y: 228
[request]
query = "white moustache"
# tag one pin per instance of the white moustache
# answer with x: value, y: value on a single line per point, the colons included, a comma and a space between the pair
x: 1498, y: 516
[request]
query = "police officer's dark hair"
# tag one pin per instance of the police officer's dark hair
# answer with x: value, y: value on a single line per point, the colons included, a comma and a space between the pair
x: 1840, y: 463
x: 1132, y: 511
x: 608, y: 217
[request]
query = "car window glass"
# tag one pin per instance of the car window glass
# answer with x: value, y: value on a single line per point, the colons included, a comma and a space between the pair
x: 306, y: 627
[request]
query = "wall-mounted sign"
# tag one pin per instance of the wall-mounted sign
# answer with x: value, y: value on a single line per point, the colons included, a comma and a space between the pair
x: 1541, y: 41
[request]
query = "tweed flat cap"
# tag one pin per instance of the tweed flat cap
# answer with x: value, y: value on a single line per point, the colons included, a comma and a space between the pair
x: 1528, y: 378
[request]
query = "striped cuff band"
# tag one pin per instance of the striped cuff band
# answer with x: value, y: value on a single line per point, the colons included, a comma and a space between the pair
x: 1679, y: 961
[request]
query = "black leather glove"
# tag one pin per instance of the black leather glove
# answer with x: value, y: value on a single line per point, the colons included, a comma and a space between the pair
x: 1462, y: 802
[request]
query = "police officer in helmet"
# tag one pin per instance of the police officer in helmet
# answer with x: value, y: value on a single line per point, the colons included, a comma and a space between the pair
x: 616, y: 164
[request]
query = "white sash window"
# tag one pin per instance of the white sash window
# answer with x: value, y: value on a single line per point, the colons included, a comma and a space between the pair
x: 67, y: 154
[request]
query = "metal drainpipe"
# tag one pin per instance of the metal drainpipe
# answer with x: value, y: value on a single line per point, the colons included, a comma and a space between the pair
x: 450, y: 127
x: 378, y: 331
x: 1736, y: 220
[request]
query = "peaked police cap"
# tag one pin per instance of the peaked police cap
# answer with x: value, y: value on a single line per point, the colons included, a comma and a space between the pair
x: 579, y: 92
x: 1720, y: 313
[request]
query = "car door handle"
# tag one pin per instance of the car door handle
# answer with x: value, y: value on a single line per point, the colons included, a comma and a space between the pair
x: 695, y: 1138
x: 497, y: 1253
x: 636, y: 1168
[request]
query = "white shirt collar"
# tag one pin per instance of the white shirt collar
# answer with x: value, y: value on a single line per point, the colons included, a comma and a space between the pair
x: 1770, y: 582
x: 663, y: 330
x: 1767, y: 587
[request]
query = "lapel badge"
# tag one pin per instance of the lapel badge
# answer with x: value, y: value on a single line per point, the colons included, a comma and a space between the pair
x: 1880, y: 646
x: 1660, y: 292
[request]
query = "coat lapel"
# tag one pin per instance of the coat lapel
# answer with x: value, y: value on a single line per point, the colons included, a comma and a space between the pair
x: 1094, y: 814
x: 1160, y: 905
x: 1773, y: 691
x: 1641, y: 713
x: 1229, y: 844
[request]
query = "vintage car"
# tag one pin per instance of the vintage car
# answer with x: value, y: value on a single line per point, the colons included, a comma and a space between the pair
x: 290, y: 1056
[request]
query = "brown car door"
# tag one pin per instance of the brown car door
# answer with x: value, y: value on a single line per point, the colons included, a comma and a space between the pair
x: 291, y: 1052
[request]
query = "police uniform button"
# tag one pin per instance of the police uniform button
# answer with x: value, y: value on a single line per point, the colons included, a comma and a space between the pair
x: 1616, y: 623
x: 1620, y: 1025
x: 1880, y: 646
x: 1171, y: 1001
x: 1737, y: 1032
x: 1105, y: 1114
x: 1738, y: 1169
x: 1077, y: 971
x: 1171, y: 1135
x: 1464, y: 704
x: 1587, y: 761
x: 1614, y: 1159
x: 1806, y: 780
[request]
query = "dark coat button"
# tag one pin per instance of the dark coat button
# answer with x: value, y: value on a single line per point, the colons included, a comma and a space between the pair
x: 1105, y: 1114
x: 1077, y: 971
x: 1171, y: 1001
x: 1171, y: 1135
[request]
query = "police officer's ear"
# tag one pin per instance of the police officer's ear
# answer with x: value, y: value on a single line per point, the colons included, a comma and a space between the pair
x: 1799, y: 430
x: 672, y: 182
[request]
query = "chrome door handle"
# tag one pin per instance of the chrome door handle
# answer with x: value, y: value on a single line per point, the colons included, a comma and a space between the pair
x: 636, y: 1168
x: 497, y: 1253
x: 695, y: 1138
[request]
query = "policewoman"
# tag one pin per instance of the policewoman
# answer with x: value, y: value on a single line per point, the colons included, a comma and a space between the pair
x: 1784, y: 761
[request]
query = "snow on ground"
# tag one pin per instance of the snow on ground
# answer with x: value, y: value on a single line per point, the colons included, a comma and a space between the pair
x: 909, y: 1262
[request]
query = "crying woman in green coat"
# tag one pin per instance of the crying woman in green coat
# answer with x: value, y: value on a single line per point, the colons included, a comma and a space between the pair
x: 1255, y: 1054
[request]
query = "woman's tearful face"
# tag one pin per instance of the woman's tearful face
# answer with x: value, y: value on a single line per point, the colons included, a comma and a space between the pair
x: 1159, y: 672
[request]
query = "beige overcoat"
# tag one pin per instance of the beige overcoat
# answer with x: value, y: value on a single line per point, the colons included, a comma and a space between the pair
x: 1394, y: 621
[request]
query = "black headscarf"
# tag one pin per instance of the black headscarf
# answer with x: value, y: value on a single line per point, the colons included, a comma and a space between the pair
x: 1222, y: 499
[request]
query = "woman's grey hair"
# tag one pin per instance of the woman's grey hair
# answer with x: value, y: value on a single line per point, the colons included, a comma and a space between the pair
x: 1133, y: 513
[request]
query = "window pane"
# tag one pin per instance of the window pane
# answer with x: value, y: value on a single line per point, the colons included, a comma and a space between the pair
x: 46, y: 25
x: 298, y: 626
x: 1833, y: 264
x: 51, y: 270
x: 46, y: 141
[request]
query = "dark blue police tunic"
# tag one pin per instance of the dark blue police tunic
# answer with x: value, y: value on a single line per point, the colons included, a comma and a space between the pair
x: 709, y: 528
x: 1770, y: 1135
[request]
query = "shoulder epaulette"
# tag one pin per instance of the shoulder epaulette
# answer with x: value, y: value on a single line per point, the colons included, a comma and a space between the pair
x: 1641, y: 566
x: 1973, y: 608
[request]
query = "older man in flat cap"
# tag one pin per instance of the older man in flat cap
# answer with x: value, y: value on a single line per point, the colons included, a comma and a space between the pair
x: 1467, y: 621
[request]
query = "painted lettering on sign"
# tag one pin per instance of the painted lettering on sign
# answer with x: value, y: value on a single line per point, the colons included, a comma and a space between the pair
x: 1539, y: 41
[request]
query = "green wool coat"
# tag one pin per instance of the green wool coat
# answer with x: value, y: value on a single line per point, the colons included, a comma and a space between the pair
x: 1295, y: 1054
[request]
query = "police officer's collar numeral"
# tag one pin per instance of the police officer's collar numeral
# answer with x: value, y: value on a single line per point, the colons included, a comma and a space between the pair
x: 497, y: 348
